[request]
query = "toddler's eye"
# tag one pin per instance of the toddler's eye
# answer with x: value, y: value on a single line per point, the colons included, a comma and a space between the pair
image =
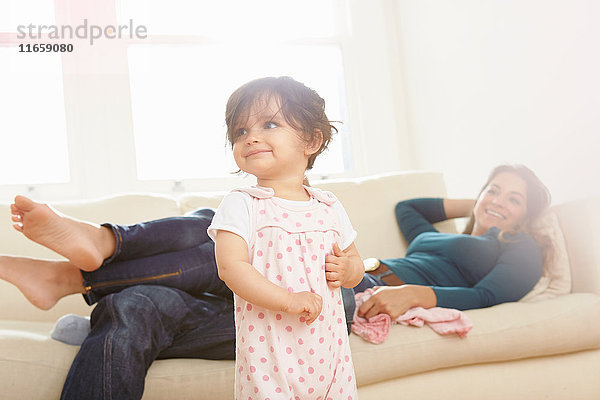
x: 240, y: 132
x: 270, y: 125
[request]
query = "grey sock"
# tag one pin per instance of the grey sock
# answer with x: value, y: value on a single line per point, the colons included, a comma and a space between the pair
x: 71, y: 329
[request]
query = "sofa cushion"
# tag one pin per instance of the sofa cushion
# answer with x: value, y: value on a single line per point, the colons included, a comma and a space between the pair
x: 566, y: 376
x: 509, y: 331
x: 556, y: 275
x: 31, y: 363
x: 26, y: 351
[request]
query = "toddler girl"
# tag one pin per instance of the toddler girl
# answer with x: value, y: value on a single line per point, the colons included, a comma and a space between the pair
x: 285, y: 249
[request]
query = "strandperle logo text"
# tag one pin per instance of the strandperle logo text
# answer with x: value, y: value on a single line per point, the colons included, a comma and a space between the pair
x: 82, y: 31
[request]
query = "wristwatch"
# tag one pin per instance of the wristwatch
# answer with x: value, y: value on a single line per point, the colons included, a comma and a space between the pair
x: 371, y: 264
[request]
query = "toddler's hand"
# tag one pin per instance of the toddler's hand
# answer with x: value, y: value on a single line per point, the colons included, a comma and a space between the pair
x: 337, y: 266
x: 306, y: 304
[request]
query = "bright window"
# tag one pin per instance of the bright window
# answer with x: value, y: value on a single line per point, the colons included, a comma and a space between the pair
x: 24, y: 12
x: 34, y: 148
x: 142, y: 114
x: 179, y: 95
x: 181, y: 78
x: 268, y: 20
x: 34, y: 137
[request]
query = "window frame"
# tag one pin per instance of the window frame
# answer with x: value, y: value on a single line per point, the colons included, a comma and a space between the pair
x: 102, y: 158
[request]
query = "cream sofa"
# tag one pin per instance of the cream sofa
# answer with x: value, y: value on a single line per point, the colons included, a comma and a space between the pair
x: 546, y: 349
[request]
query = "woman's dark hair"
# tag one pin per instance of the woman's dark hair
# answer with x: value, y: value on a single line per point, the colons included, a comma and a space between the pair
x: 302, y: 108
x: 538, y: 201
x: 538, y: 195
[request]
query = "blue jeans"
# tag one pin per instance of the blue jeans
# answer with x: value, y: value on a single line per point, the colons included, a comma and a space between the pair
x: 159, y: 296
x: 134, y: 327
x: 174, y: 252
x: 369, y: 281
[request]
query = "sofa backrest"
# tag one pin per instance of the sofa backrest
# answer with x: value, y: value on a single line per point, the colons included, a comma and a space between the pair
x: 368, y: 201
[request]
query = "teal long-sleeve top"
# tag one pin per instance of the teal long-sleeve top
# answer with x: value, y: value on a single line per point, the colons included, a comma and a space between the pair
x: 464, y: 271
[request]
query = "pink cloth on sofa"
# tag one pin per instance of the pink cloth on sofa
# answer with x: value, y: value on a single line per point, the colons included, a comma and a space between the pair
x: 444, y: 321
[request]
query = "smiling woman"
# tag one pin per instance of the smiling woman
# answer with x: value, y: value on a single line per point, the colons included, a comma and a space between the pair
x: 501, y: 204
x: 511, y: 200
x: 498, y: 259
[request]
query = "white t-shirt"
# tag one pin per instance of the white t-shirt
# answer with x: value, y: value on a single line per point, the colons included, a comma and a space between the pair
x: 234, y: 215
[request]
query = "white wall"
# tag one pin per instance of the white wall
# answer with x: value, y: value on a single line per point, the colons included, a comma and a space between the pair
x: 492, y: 81
x: 376, y: 107
x: 455, y: 86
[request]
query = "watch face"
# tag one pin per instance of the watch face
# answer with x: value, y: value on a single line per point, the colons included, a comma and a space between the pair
x: 371, y: 264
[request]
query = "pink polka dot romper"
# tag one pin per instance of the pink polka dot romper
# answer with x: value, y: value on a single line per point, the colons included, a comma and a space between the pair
x: 278, y: 355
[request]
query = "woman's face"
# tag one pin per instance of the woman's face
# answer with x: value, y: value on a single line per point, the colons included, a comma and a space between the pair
x: 503, y: 204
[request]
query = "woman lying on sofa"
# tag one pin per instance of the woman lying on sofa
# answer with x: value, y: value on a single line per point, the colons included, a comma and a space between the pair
x: 498, y: 260
x: 159, y: 295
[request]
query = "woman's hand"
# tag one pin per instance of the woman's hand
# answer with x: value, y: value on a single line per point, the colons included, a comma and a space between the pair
x: 396, y: 300
x: 306, y: 304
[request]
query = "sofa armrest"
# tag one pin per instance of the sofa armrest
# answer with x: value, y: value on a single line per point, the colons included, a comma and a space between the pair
x: 580, y: 223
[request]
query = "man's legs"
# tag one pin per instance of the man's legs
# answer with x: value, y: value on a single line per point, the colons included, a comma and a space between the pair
x: 193, y: 270
x: 174, y: 252
x: 160, y: 236
x: 132, y: 328
x: 159, y: 252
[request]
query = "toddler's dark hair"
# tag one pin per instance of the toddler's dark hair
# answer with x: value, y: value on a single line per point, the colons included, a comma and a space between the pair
x: 302, y: 108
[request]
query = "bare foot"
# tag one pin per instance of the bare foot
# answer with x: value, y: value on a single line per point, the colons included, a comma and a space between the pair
x: 85, y: 244
x: 42, y: 282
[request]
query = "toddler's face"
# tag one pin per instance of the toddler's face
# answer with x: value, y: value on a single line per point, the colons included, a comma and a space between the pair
x: 267, y: 147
